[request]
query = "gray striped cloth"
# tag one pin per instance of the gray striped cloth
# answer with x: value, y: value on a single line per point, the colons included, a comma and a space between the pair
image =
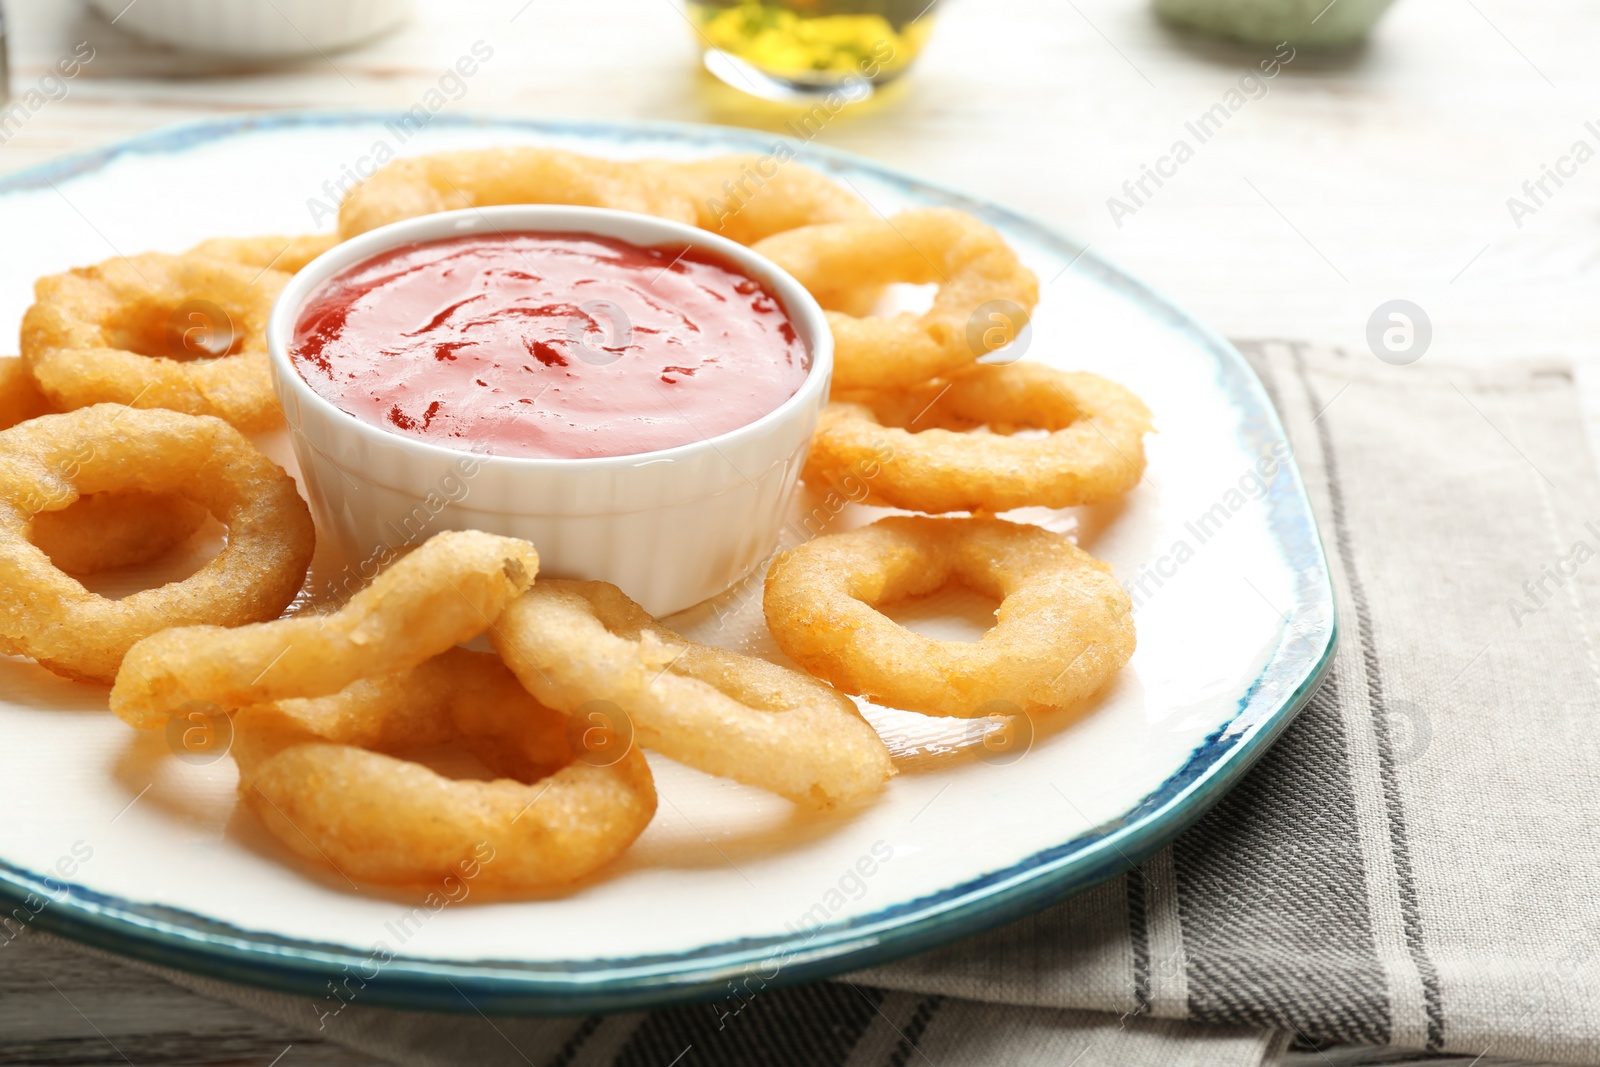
x: 1412, y: 866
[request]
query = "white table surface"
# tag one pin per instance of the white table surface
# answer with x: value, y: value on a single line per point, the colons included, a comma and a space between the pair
x: 1383, y: 174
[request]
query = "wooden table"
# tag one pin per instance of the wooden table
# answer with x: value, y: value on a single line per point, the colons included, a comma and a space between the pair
x: 1349, y: 182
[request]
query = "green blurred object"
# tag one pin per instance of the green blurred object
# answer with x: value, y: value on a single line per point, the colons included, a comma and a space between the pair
x: 787, y: 49
x: 1303, y: 23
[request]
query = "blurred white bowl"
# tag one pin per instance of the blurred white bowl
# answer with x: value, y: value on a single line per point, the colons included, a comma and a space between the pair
x: 256, y: 27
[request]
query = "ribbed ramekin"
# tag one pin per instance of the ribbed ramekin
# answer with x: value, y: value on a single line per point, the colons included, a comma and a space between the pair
x: 671, y: 527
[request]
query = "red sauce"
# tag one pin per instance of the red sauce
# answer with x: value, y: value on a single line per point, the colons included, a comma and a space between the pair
x: 549, y: 344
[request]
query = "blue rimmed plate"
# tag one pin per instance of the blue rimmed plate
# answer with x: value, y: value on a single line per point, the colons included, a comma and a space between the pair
x: 112, y: 840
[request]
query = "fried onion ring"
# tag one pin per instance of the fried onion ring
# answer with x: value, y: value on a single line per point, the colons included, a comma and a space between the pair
x: 970, y: 261
x: 449, y: 181
x: 445, y: 592
x: 102, y: 531
x: 288, y: 254
x: 121, y: 332
x: 323, y: 776
x: 20, y: 399
x: 1063, y: 628
x: 747, y: 197
x: 926, y: 449
x: 715, y: 710
x: 743, y: 197
x: 48, y: 462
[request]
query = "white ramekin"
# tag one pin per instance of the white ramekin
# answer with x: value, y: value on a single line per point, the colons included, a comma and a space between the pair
x: 256, y: 27
x: 671, y: 528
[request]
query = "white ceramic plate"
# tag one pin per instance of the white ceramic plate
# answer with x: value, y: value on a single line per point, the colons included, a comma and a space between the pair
x: 110, y: 839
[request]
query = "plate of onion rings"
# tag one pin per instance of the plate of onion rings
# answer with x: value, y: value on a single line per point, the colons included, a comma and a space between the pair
x: 1047, y: 586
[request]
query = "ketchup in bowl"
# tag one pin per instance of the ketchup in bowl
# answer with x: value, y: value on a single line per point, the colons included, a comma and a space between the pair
x: 549, y: 344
